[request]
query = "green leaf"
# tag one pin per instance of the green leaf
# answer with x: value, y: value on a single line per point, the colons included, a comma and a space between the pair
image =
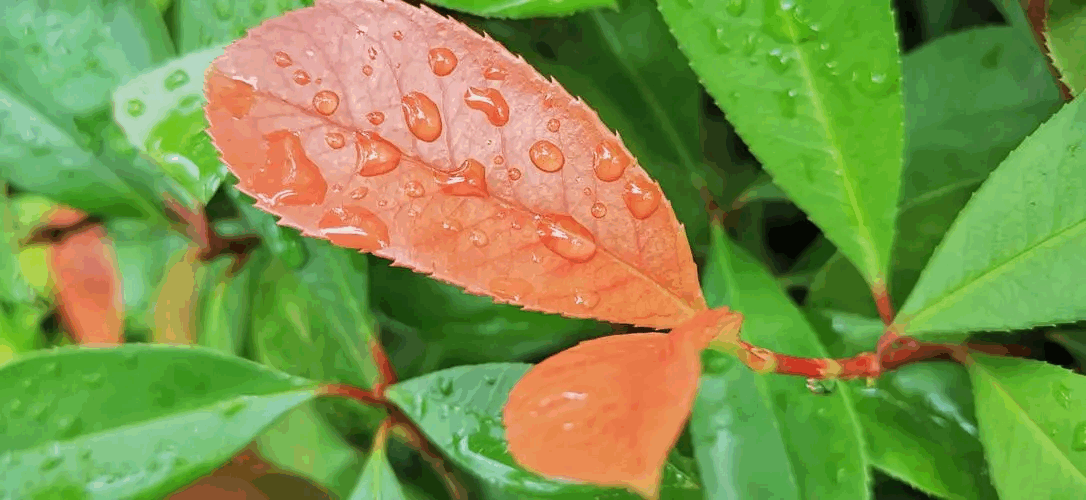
x: 223, y: 317
x: 970, y: 98
x: 303, y: 443
x: 814, y: 88
x: 143, y: 252
x: 378, y: 481
x: 1033, y: 425
x: 520, y: 9
x: 1073, y: 341
x: 201, y: 23
x: 638, y: 81
x: 1066, y: 39
x: 459, y: 410
x: 918, y: 420
x: 132, y: 421
x: 805, y: 446
x: 161, y: 112
x: 1012, y: 259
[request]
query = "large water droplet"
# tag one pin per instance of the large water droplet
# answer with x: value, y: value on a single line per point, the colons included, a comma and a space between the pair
x: 376, y: 155
x: 326, y: 102
x: 468, y: 180
x: 494, y: 73
x: 478, y: 238
x: 354, y: 227
x: 422, y: 116
x: 235, y: 96
x: 414, y: 189
x: 335, y: 140
x: 642, y: 197
x: 301, y: 77
x: 1078, y: 437
x: 1062, y: 394
x: 376, y: 117
x: 288, y: 176
x: 511, y: 288
x: 442, y: 61
x: 599, y: 210
x: 554, y: 125
x: 282, y: 59
x: 546, y: 156
x: 490, y: 102
x: 610, y: 161
x: 135, y: 107
x: 566, y: 237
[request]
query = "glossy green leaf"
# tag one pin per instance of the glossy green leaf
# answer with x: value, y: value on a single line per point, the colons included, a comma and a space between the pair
x: 137, y: 421
x: 378, y: 481
x: 1033, y: 424
x: 143, y: 251
x: 918, y: 420
x: 459, y: 410
x: 161, y: 112
x: 303, y: 443
x: 223, y: 317
x: 202, y: 23
x: 1012, y: 258
x: 814, y: 88
x: 638, y: 81
x: 1065, y: 36
x: 520, y: 9
x: 970, y: 98
x: 813, y: 445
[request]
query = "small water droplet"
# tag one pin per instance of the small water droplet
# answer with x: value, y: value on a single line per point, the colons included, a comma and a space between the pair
x: 642, y: 197
x: 873, y: 84
x: 50, y: 369
x: 382, y: 203
x: 376, y: 155
x: 587, y: 191
x: 422, y: 116
x: 511, y: 288
x: 372, y: 52
x: 821, y: 387
x: 367, y: 70
x: 467, y: 180
x: 414, y: 189
x: 567, y: 426
x: 721, y: 38
x: 736, y: 7
x: 223, y: 8
x: 354, y: 227
x: 991, y: 58
x: 442, y: 61
x: 554, y: 125
x: 445, y: 386
x: 514, y: 174
x: 301, y: 77
x: 153, y: 466
x: 493, y: 73
x: 566, y: 237
x: 599, y: 210
x: 1063, y: 394
x: 326, y: 102
x: 490, y: 380
x: 337, y: 187
x: 359, y: 193
x: 610, y: 160
x: 490, y: 102
x: 282, y: 59
x: 398, y: 35
x: 787, y: 100
x: 750, y: 43
x: 1078, y: 437
x: 478, y: 238
x: 375, y: 117
x: 546, y: 156
x: 68, y: 425
x: 51, y: 462
x: 586, y: 298
x: 234, y: 407
x: 335, y: 140
x: 135, y: 107
x: 779, y: 60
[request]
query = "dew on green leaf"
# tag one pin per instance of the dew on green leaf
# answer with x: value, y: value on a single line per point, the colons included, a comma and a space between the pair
x: 991, y: 58
x: 257, y: 7
x: 50, y: 369
x: 787, y: 100
x: 778, y: 60
x: 135, y: 107
x: 176, y: 79
x: 223, y: 8
x: 93, y: 379
x: 235, y: 407
x: 1078, y: 437
x: 68, y: 426
x: 874, y: 84
x: 445, y: 386
x: 736, y: 7
x: 1062, y: 394
x: 749, y: 44
x: 720, y: 38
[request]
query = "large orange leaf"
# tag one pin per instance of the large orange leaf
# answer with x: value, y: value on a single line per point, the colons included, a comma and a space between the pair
x: 607, y: 411
x: 87, y: 282
x: 391, y: 129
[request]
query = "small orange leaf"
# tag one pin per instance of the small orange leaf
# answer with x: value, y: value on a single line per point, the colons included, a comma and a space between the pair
x: 608, y: 410
x: 87, y: 282
x: 393, y: 130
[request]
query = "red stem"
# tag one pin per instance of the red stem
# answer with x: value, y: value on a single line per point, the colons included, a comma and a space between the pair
x: 883, y: 303
x: 361, y: 395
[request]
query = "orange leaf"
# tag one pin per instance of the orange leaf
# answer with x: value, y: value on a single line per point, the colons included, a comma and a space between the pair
x: 175, y: 298
x: 608, y: 410
x: 87, y: 282
x: 391, y: 129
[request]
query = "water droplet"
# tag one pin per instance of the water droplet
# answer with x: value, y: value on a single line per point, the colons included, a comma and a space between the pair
x: 874, y: 84
x: 442, y: 61
x: 422, y: 116
x: 587, y: 191
x: 359, y: 193
x: 372, y: 52
x: 375, y: 117
x: 499, y: 159
x: 1063, y: 394
x: 414, y: 189
x: 51, y: 462
x: 553, y: 125
x: 566, y: 237
x: 153, y: 466
x: 642, y: 197
x: 288, y: 176
x: 135, y: 107
x: 787, y: 100
x: 779, y: 60
x: 398, y: 35
x: 301, y: 77
x: 445, y: 386
x: 599, y: 210
x: 376, y: 155
x: 223, y: 8
x: 335, y: 140
x: 367, y: 70
x: 326, y: 102
x: 784, y: 24
x: 610, y: 160
x: 337, y: 188
x: 234, y: 407
x: 991, y: 58
x: 478, y: 238
x: 736, y: 7
x: 511, y: 288
x: 821, y: 387
x: 468, y: 180
x: 50, y: 369
x: 235, y: 96
x: 1078, y: 437
x: 93, y: 379
x: 490, y: 102
x: 493, y: 73
x: 382, y: 203
x: 750, y: 42
x: 68, y: 426
x: 282, y: 59
x: 354, y: 227
x: 546, y: 156
x: 586, y: 298
x: 490, y: 380
x: 513, y: 173
x: 451, y: 225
